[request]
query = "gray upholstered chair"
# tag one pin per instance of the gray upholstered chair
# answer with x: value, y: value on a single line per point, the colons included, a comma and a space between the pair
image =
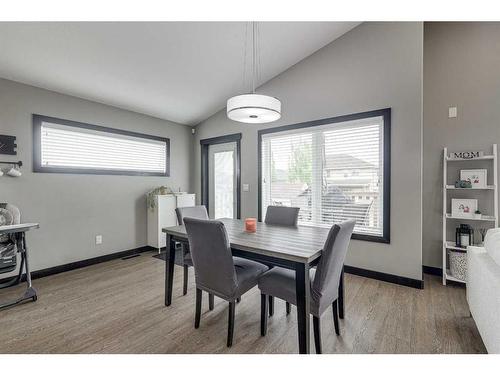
x: 199, y: 212
x: 283, y: 216
x: 325, y: 279
x: 216, y: 270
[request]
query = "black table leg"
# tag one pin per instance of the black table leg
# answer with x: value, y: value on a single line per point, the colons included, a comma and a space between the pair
x: 169, y: 269
x: 303, y: 289
x: 341, y: 295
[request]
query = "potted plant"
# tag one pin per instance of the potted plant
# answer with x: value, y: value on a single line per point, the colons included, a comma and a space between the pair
x: 477, y: 214
x: 150, y: 196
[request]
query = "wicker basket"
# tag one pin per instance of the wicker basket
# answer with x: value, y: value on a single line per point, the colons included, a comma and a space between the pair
x: 458, y: 264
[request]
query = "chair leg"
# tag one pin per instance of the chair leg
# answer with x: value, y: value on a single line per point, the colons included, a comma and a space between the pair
x: 271, y: 305
x: 185, y: 285
x: 317, y: 334
x: 288, y: 308
x: 341, y: 298
x: 336, y: 316
x: 197, y: 316
x: 210, y: 301
x: 230, y: 324
x: 263, y: 314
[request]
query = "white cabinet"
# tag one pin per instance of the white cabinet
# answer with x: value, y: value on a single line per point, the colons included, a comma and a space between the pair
x: 163, y: 215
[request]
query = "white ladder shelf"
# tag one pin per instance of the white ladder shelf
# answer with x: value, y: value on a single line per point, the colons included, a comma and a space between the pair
x: 447, y: 216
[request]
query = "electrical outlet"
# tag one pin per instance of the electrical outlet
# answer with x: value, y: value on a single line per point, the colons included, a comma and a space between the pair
x: 246, y: 187
x: 98, y: 239
x: 452, y: 112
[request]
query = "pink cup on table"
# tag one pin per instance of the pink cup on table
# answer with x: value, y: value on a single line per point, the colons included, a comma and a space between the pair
x: 251, y: 225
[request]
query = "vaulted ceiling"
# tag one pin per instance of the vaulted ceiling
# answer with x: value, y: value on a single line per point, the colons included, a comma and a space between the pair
x: 178, y: 71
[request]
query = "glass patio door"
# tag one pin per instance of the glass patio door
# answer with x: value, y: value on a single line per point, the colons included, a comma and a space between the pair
x: 222, y: 180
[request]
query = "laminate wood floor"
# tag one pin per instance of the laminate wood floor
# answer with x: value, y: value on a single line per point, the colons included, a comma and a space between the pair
x: 117, y: 307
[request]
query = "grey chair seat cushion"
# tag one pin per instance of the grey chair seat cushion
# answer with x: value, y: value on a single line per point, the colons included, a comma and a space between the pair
x: 280, y: 283
x: 247, y: 274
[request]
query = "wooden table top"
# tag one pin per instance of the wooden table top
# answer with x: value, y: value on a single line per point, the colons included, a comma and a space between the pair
x: 301, y: 244
x: 15, y: 228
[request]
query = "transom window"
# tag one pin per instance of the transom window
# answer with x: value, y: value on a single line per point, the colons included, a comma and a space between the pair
x: 72, y: 147
x: 333, y: 169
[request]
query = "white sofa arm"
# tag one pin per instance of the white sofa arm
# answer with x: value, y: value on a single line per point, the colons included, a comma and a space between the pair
x: 483, y: 296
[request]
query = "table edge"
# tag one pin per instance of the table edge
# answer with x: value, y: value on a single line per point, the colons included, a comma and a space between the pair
x: 23, y: 227
x: 293, y: 258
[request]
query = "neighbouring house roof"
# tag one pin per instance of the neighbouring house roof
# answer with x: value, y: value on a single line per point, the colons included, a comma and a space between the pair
x: 361, y: 181
x: 287, y: 190
x: 344, y: 161
x: 332, y: 193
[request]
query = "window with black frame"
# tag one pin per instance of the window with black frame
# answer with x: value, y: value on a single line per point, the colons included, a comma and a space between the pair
x: 63, y: 146
x: 333, y: 169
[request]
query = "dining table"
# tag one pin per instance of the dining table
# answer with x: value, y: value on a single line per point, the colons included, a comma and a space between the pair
x: 295, y: 248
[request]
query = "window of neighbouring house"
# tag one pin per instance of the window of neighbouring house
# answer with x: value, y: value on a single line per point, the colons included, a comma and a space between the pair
x: 333, y: 169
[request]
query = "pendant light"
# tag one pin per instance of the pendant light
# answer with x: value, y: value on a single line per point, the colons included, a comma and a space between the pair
x: 253, y: 108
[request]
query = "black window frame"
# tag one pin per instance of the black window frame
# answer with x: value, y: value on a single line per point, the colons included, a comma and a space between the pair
x: 385, y: 113
x: 37, y: 149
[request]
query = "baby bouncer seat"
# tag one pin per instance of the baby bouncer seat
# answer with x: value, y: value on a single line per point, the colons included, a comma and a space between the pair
x: 9, y: 215
x: 12, y: 243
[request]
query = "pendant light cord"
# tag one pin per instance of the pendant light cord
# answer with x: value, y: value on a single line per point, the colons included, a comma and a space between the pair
x: 253, y: 58
x: 245, y: 58
x: 259, y: 54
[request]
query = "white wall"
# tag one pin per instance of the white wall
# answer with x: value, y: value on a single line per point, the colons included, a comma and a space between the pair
x: 374, y: 66
x: 72, y: 208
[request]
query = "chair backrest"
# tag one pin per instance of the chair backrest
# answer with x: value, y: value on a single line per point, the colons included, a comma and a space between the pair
x: 281, y: 215
x: 212, y: 257
x: 198, y: 212
x: 327, y: 278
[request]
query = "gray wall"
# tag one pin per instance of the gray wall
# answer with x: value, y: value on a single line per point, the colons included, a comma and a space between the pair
x: 376, y: 65
x: 72, y: 209
x: 462, y: 69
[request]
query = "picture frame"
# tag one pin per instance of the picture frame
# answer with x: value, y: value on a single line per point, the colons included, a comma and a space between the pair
x: 8, y: 145
x: 464, y: 208
x: 477, y: 177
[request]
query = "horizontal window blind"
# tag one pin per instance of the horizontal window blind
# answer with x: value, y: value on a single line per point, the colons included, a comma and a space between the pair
x: 71, y: 147
x: 333, y: 172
